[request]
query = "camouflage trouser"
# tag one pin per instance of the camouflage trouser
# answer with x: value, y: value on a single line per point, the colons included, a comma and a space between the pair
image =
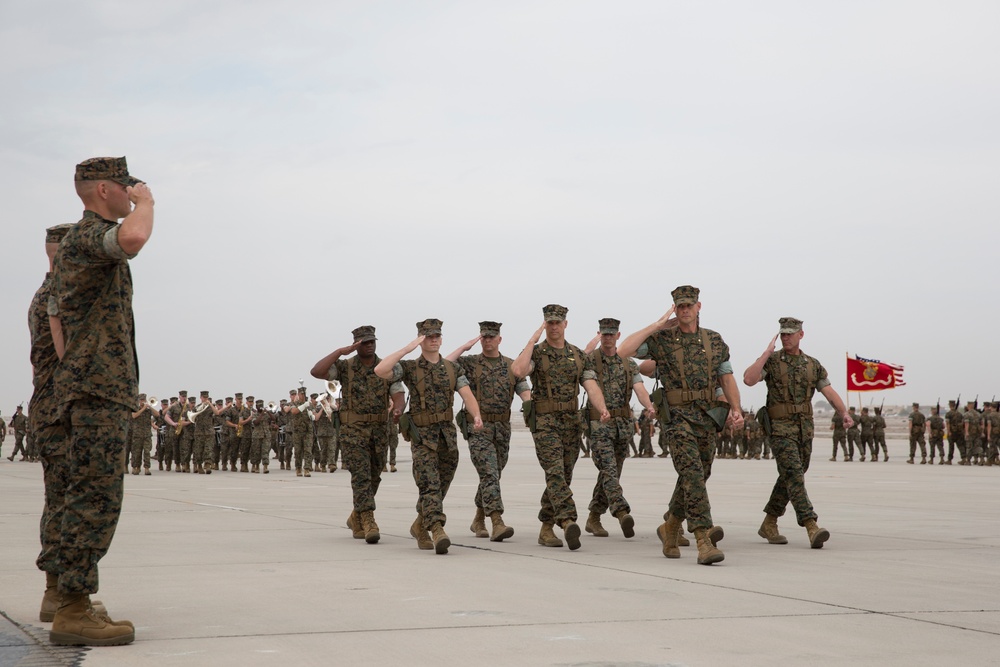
x: 853, y: 442
x: 993, y: 449
x: 664, y: 443
x: 435, y: 458
x: 392, y: 444
x: 202, y: 450
x: 557, y: 446
x: 93, y: 500
x: 489, y: 449
x: 30, y: 446
x: 974, y: 446
x: 915, y: 439
x: 609, y: 449
x: 18, y: 444
x: 288, y: 448
x: 753, y: 449
x: 692, y: 451
x: 325, y: 443
x: 185, y: 444
x: 141, y: 443
x: 792, y: 457
x: 302, y: 442
x: 767, y: 446
x: 880, y: 442
x: 53, y: 445
x: 259, y: 449
x: 245, y: 442
x: 937, y: 443
x: 956, y: 441
x: 841, y: 439
x: 171, y: 453
x: 364, y: 454
x: 645, y: 442
x: 867, y: 444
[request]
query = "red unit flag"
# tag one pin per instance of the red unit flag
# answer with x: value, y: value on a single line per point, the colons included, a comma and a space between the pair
x: 872, y: 375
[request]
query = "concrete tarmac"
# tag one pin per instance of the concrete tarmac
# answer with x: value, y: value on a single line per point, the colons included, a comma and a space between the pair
x: 245, y: 569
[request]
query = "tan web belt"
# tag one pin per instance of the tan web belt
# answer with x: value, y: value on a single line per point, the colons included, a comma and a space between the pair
x: 546, y: 406
x: 359, y: 418
x: 428, y: 418
x: 490, y: 418
x: 683, y: 396
x: 788, y: 410
x: 624, y: 411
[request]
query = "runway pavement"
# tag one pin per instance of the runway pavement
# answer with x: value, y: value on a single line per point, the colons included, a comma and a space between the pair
x: 244, y: 569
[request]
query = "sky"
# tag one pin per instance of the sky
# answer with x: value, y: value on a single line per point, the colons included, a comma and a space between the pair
x: 322, y: 165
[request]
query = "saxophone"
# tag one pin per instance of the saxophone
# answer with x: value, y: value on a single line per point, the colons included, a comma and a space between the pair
x: 180, y: 423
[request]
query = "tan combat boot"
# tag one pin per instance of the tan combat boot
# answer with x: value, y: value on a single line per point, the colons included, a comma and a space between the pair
x: 186, y: 468
x: 817, y: 535
x: 571, y: 530
x: 500, y: 531
x: 244, y: 468
x: 370, y: 527
x: 440, y: 538
x: 547, y: 538
x: 225, y: 467
x: 594, y: 527
x: 769, y: 530
x: 264, y: 471
x: 478, y: 526
x: 145, y: 471
x: 420, y: 535
x: 76, y: 623
x: 169, y: 464
x: 681, y: 540
x: 307, y: 472
x: 627, y: 523
x: 298, y: 472
x: 707, y: 551
x: 354, y: 523
x: 667, y: 532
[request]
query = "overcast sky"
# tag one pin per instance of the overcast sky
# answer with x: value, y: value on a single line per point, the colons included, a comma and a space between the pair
x: 322, y: 165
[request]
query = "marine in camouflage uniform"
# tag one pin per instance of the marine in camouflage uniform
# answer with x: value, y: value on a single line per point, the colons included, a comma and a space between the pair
x: 431, y: 381
x: 646, y: 426
x: 852, y: 437
x: 557, y: 369
x: 935, y: 432
x: 917, y: 425
x: 220, y: 428
x: 840, y: 437
x: 260, y: 439
x: 50, y: 432
x: 392, y: 444
x: 867, y: 440
x: 173, y: 416
x: 878, y: 435
x: 991, y: 421
x: 140, y: 437
x: 494, y: 386
x: 609, y: 440
x: 364, y: 421
x: 956, y: 433
x: 96, y: 383
x: 792, y: 378
x: 755, y: 435
x: 161, y: 432
x: 204, y: 436
x: 238, y: 418
x: 185, y: 442
x: 298, y: 417
x: 20, y: 425
x: 326, y: 436
x: 973, y: 426
x: 691, y: 363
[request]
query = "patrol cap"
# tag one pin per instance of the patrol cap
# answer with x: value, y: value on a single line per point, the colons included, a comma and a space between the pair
x: 239, y: 396
x: 164, y: 401
x: 218, y: 401
x: 685, y: 295
x: 301, y: 390
x: 864, y: 409
x: 105, y: 169
x: 190, y: 399
x: 608, y: 325
x: 314, y: 395
x: 554, y: 312
x: 429, y: 327
x: 292, y: 392
x: 250, y: 399
x: 204, y: 394
x: 229, y: 399
x: 56, y: 234
x: 260, y: 401
x: 487, y: 328
x: 364, y: 334
x: 142, y: 397
x: 182, y: 393
x: 789, y: 325
x: 916, y: 405
x: 951, y: 403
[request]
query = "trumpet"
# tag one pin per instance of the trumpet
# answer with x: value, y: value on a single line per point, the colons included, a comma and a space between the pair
x: 152, y: 402
x: 272, y: 407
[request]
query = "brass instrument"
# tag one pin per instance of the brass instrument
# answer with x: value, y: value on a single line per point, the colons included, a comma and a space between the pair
x: 180, y: 424
x: 204, y: 407
x: 153, y: 402
x: 239, y: 425
x: 333, y: 389
x: 272, y: 407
